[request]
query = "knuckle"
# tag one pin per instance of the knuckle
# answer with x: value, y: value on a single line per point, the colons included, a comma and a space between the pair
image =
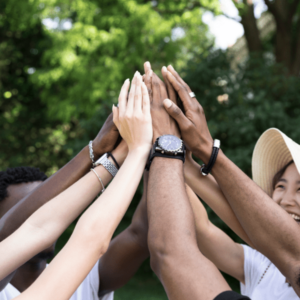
x: 128, y: 115
x: 181, y: 88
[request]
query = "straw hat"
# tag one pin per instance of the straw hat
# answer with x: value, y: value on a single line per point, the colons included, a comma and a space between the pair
x: 272, y: 152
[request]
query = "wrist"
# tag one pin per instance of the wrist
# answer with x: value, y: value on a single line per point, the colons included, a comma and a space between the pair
x: 142, y: 150
x: 204, y: 151
x: 120, y: 154
x: 191, y: 169
x: 97, y: 154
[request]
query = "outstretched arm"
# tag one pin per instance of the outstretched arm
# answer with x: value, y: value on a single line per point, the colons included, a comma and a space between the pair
x: 175, y: 258
x: 61, y: 180
x: 209, y: 191
x: 127, y: 251
x: 211, y: 239
x: 95, y: 228
x: 44, y: 226
x: 258, y: 214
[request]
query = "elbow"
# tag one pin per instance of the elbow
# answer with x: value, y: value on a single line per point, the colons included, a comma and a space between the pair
x: 103, y: 247
x: 139, y: 233
x: 161, y: 255
x: 93, y: 240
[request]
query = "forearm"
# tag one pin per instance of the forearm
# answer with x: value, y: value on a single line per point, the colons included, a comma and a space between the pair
x: 254, y: 210
x: 45, y: 225
x: 168, y: 218
x: 54, y: 185
x: 209, y: 191
x: 211, y: 239
x: 92, y: 233
x: 126, y: 251
x: 112, y: 205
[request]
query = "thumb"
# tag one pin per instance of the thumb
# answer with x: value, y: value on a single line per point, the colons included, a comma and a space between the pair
x: 176, y: 113
x: 115, y: 115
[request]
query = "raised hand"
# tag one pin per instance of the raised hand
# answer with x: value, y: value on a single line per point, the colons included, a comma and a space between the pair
x: 161, y: 121
x: 192, y: 122
x: 107, y: 137
x: 133, y: 118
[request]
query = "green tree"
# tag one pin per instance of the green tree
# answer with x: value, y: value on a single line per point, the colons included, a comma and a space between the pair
x: 284, y: 41
x: 108, y: 42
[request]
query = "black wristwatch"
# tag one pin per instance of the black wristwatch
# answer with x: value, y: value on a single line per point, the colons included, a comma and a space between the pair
x: 168, y: 146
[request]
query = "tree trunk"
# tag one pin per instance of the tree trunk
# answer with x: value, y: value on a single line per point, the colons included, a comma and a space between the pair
x: 250, y: 27
x: 295, y: 68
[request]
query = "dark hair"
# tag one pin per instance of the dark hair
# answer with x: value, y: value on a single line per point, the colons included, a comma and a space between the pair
x: 18, y: 175
x: 279, y: 174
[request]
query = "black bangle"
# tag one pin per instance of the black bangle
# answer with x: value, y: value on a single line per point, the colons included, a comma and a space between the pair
x: 205, y: 170
x: 110, y: 155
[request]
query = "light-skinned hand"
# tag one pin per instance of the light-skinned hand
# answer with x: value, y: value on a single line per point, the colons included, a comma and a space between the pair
x: 132, y: 117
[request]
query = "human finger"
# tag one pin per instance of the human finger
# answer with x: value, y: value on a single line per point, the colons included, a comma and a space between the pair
x: 186, y: 99
x: 146, y: 99
x: 171, y: 92
x: 162, y: 87
x: 148, y: 82
x: 130, y: 103
x: 138, y: 94
x: 147, y: 67
x: 176, y: 113
x: 122, y: 101
x: 177, y: 76
x: 155, y: 91
x: 115, y: 116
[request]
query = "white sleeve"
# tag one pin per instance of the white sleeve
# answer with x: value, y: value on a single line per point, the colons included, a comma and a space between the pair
x: 95, y: 284
x: 254, y: 263
x: 89, y: 288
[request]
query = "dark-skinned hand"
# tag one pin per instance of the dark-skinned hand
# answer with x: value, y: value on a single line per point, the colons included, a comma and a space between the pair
x: 107, y: 138
x: 192, y: 122
x: 161, y: 121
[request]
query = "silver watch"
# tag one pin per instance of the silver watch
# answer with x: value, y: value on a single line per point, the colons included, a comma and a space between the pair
x: 105, y: 162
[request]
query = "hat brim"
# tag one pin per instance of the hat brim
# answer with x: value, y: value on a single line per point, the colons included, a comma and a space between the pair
x: 272, y: 152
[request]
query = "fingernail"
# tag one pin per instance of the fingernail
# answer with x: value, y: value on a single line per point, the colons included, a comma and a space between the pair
x: 164, y: 69
x: 171, y: 67
x: 147, y: 63
x: 167, y: 103
x: 126, y: 80
x: 113, y: 107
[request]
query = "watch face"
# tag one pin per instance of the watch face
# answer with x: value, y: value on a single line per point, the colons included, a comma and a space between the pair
x: 169, y: 142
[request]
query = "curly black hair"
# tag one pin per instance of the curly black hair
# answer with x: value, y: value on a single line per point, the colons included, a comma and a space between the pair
x: 18, y: 175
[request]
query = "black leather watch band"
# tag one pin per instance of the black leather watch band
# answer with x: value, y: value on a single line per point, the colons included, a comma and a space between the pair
x: 157, y: 154
x: 153, y: 154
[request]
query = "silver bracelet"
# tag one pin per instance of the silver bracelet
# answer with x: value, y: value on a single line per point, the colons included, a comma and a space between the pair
x: 105, y: 162
x: 91, y: 152
x: 103, y: 188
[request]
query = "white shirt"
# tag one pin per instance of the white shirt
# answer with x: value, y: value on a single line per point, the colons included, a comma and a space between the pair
x: 88, y: 290
x: 272, y: 286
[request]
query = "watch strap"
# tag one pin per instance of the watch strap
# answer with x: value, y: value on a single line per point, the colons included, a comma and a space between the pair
x: 154, y: 154
x: 105, y: 162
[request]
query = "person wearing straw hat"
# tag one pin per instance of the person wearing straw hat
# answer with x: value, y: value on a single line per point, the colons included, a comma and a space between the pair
x: 259, y: 277
x: 271, y: 229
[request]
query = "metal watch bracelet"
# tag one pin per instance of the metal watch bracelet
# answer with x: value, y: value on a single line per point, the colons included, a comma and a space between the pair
x: 105, y: 162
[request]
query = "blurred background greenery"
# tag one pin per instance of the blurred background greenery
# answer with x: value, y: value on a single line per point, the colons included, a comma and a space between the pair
x: 57, y: 85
